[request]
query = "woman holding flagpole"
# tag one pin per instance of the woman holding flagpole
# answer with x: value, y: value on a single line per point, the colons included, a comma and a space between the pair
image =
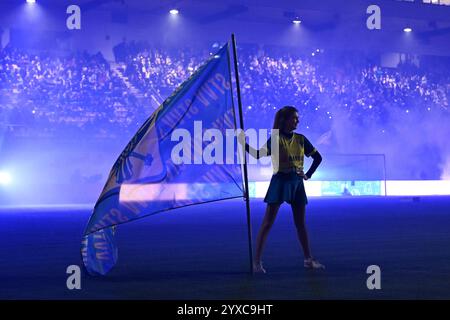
x: 286, y: 184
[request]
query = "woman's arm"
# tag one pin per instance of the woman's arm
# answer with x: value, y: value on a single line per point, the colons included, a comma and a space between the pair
x: 317, y: 159
x: 255, y: 153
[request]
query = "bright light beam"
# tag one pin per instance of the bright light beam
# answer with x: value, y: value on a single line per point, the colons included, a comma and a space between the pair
x: 5, y: 178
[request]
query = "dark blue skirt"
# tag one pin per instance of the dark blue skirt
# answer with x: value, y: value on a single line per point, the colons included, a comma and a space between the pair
x: 287, y: 187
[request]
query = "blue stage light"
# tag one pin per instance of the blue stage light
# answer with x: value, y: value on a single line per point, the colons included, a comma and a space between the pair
x: 174, y: 12
x: 407, y: 29
x: 31, y: 1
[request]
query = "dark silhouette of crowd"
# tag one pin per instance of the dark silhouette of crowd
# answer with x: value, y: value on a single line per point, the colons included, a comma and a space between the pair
x: 82, y: 93
x: 48, y: 95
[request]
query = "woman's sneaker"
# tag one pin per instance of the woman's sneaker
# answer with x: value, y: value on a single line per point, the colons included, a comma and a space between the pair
x: 312, y: 264
x: 258, y: 267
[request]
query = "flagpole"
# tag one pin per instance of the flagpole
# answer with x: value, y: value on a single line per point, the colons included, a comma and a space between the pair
x: 241, y: 121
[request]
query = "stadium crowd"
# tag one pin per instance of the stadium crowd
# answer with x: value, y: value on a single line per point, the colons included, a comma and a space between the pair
x: 83, y: 93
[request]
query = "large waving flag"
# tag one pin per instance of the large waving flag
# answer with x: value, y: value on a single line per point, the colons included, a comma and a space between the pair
x: 149, y: 177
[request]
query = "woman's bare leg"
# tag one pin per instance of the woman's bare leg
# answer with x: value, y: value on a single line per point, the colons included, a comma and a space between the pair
x: 269, y: 218
x: 298, y: 212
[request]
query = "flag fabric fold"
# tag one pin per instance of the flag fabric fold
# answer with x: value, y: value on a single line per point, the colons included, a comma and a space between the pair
x: 175, y: 159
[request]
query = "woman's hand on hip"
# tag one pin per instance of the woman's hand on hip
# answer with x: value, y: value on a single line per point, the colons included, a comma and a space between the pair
x: 302, y: 174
